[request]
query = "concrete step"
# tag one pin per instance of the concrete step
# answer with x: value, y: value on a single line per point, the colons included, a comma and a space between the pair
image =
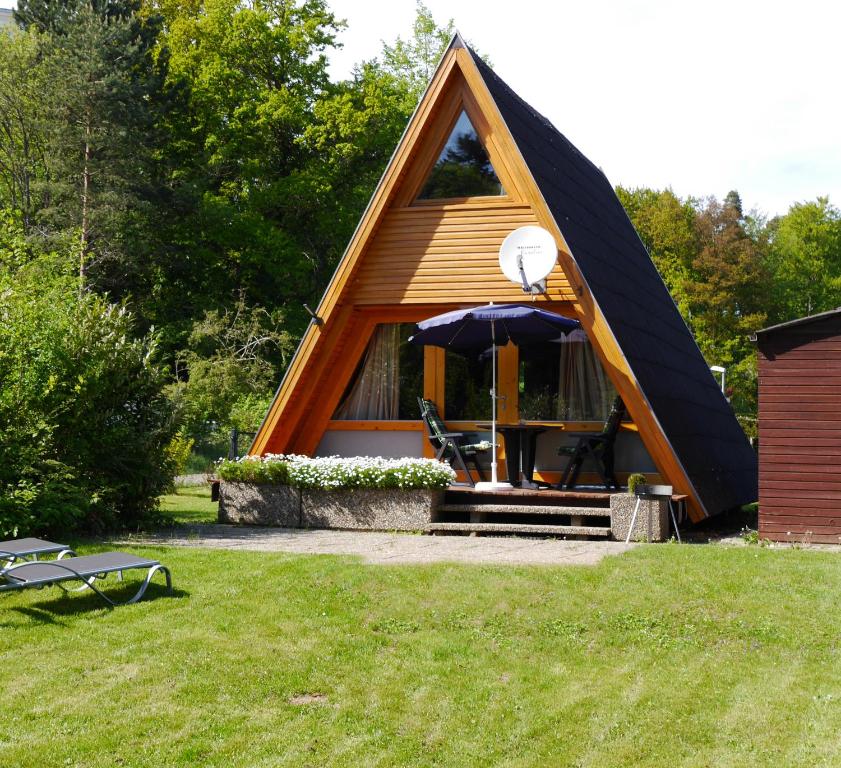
x: 525, y: 509
x: 513, y: 528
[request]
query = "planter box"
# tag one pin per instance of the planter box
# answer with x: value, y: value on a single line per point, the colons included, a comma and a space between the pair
x: 379, y: 509
x: 253, y: 504
x: 622, y: 510
x: 361, y: 509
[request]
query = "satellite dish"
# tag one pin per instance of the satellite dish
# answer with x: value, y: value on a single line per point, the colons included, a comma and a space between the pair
x: 527, y: 256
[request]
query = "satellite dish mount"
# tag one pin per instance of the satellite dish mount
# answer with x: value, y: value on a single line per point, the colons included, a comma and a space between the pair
x: 527, y: 257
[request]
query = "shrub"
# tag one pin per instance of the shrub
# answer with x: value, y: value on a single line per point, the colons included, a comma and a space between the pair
x: 334, y: 472
x: 83, y: 421
x: 178, y: 452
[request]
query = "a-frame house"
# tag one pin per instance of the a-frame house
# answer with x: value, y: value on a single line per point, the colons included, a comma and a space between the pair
x: 428, y: 243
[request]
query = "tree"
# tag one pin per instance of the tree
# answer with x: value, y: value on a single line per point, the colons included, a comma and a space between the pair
x: 230, y: 368
x: 357, y: 125
x: 728, y: 296
x: 805, y: 260
x: 250, y: 75
x: 99, y: 89
x: 667, y: 228
x: 413, y: 61
x: 733, y: 200
x: 22, y: 129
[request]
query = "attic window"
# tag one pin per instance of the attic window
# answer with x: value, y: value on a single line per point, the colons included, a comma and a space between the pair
x: 463, y: 168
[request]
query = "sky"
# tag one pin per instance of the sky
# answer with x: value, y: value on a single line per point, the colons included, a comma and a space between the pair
x: 700, y: 97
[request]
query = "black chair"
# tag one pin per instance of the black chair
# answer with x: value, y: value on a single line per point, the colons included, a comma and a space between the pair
x: 452, y: 447
x: 599, y: 448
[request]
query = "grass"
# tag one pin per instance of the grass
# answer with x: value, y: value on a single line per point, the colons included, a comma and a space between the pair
x: 190, y: 505
x: 666, y: 656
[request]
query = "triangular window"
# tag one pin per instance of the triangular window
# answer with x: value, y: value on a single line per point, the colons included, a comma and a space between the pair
x: 463, y: 168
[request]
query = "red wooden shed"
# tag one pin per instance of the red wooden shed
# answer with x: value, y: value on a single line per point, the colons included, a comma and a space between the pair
x: 800, y: 429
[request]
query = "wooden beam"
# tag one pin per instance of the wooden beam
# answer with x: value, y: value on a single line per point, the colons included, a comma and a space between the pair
x: 508, y: 373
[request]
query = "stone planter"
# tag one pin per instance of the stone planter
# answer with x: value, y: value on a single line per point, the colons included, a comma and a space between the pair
x: 377, y: 509
x: 363, y: 509
x: 253, y: 504
x: 622, y: 510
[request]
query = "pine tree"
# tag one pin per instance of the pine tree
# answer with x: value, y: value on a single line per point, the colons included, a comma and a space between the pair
x: 100, y: 114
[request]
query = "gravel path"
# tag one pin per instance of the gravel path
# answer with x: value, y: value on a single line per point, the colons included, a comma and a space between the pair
x: 392, y: 548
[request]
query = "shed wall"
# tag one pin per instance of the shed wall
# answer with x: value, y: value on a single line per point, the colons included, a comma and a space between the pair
x: 800, y: 434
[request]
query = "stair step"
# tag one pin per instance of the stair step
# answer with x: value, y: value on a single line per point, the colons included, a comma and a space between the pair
x: 540, y: 530
x: 526, y: 509
x: 541, y: 495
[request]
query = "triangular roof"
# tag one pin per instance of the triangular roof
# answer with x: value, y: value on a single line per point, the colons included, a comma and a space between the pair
x: 621, y: 299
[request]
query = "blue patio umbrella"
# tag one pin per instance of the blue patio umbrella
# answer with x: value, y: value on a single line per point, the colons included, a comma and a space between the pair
x: 494, y: 324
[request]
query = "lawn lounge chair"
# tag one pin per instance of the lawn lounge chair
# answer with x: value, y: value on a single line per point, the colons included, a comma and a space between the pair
x: 31, y: 549
x: 86, y: 569
x: 452, y: 447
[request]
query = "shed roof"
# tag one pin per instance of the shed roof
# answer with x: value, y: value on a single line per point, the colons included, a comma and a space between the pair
x: 800, y: 321
x: 674, y: 378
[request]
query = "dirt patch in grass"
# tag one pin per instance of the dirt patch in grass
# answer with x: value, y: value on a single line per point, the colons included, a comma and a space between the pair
x: 308, y: 699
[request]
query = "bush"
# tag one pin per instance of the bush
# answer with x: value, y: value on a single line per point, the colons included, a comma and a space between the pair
x: 178, y: 452
x: 84, y: 425
x: 334, y: 472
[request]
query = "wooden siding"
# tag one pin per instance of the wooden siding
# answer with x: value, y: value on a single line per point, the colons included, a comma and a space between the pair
x: 443, y: 254
x: 800, y: 435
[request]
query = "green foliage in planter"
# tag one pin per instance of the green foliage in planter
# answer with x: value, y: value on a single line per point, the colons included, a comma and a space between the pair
x: 634, y: 480
x: 250, y: 470
x: 333, y: 472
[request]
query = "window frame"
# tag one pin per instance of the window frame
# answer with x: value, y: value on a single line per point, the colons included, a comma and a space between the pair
x: 458, y: 99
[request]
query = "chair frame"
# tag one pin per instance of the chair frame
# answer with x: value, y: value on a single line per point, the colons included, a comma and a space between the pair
x: 598, y: 447
x: 88, y: 570
x: 451, y: 441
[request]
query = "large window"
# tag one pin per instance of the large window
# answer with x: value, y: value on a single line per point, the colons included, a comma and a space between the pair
x: 564, y: 381
x: 388, y: 379
x: 463, y: 168
x: 467, y: 386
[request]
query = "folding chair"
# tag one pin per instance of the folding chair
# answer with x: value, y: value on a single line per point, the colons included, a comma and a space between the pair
x: 599, y: 447
x: 452, y: 447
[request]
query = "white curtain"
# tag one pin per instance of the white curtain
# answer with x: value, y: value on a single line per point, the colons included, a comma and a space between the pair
x: 376, y: 392
x: 584, y: 391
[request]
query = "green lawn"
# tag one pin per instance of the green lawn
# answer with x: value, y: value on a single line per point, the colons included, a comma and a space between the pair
x: 190, y: 504
x: 667, y: 656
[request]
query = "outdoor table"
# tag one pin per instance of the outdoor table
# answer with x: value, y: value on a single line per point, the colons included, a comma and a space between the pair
x: 520, y: 443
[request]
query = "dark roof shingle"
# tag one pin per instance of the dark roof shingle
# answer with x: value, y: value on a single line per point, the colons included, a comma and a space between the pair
x: 659, y: 348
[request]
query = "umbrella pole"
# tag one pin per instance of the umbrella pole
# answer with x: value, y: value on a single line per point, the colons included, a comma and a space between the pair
x: 493, y: 402
x: 494, y: 484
